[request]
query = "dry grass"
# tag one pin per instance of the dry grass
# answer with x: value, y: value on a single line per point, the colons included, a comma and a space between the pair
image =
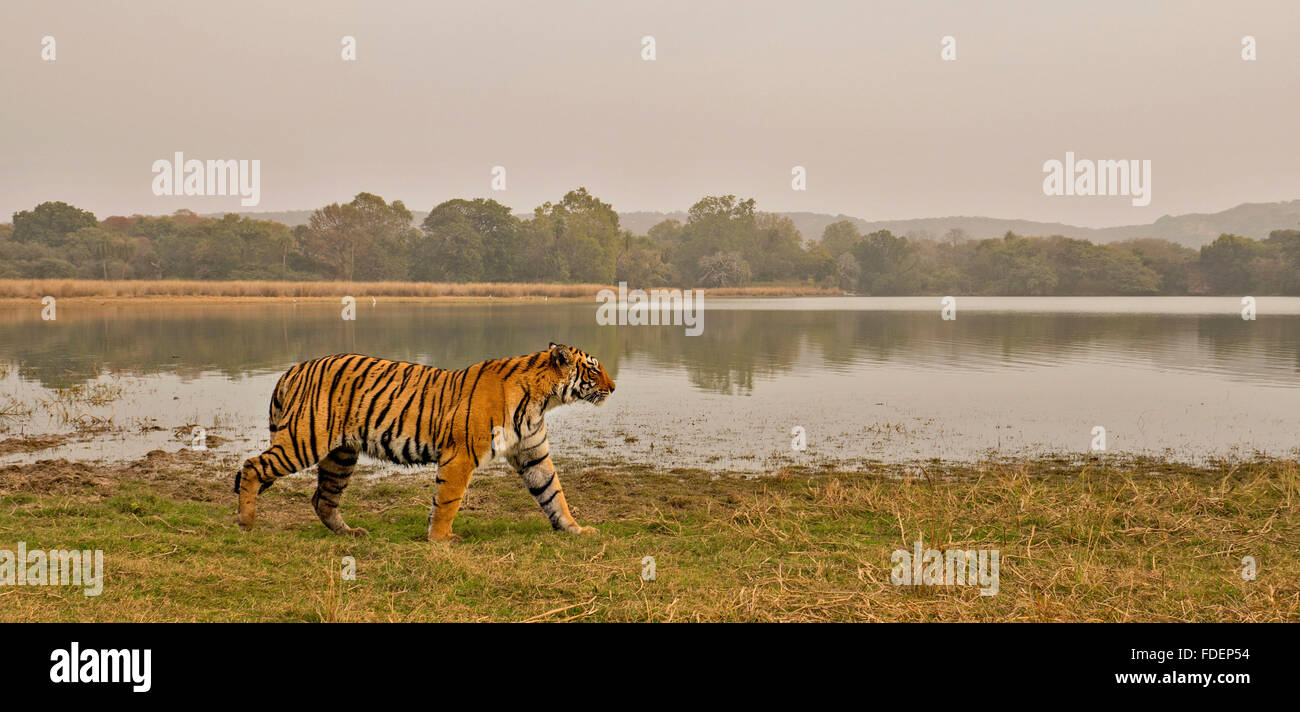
x: 64, y: 288
x: 1144, y: 541
x: 774, y: 290
x: 138, y: 289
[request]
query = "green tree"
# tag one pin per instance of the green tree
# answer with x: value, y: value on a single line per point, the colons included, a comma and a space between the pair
x: 575, y: 240
x: 365, y: 239
x: 589, y: 236
x: 1227, y: 264
x: 840, y: 237
x: 1013, y: 266
x: 641, y: 263
x: 1083, y: 268
x: 714, y: 224
x: 387, y: 234
x: 777, y: 251
x: 442, y: 251
x: 50, y: 223
x: 452, y: 251
x: 1169, y: 260
x: 889, y: 264
x: 1286, y: 244
x: 102, y: 253
x: 265, y: 247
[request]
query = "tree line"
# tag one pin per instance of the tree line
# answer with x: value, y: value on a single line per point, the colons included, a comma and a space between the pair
x: 724, y: 242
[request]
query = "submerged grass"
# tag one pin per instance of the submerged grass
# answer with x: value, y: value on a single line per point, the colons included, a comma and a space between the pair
x: 1146, y: 540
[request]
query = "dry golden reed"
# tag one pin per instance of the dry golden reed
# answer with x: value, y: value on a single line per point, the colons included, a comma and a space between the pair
x: 73, y: 288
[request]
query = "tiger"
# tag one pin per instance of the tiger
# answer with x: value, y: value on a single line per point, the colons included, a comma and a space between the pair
x: 327, y: 411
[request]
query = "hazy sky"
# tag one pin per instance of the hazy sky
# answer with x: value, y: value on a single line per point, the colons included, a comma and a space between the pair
x: 558, y: 94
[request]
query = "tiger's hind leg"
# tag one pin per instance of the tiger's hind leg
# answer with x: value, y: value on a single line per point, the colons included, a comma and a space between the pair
x: 332, y: 475
x: 257, y: 474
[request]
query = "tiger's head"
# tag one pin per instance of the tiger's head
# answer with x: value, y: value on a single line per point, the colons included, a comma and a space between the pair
x: 586, y: 378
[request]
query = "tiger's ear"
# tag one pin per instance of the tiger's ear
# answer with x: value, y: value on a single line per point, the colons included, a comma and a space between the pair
x: 561, y: 356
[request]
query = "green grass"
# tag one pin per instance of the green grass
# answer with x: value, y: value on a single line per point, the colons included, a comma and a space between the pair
x: 1113, y: 542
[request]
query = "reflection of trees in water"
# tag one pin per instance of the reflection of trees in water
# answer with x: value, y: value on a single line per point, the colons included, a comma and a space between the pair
x: 984, y: 340
x: 1232, y: 338
x: 735, y: 348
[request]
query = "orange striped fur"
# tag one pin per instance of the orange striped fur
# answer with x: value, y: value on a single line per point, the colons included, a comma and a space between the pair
x: 327, y: 411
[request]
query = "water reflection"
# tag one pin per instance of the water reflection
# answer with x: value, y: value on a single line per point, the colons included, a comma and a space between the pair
x: 736, y: 347
x: 868, y: 379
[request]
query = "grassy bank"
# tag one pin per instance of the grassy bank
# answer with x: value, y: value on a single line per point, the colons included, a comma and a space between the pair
x: 1139, y: 541
x: 175, y: 289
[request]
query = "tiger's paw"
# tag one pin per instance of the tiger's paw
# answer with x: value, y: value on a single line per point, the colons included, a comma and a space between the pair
x: 357, y: 532
x: 448, y: 537
x: 589, y: 531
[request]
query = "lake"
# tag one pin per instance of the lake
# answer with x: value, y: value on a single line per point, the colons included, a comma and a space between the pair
x: 867, y: 379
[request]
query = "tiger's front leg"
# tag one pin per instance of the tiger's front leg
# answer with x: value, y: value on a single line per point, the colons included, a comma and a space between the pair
x: 544, y: 484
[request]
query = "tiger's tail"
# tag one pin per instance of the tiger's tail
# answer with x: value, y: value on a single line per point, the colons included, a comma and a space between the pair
x: 276, y: 410
x: 274, y: 413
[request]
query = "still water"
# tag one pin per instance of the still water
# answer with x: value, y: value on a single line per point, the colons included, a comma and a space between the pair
x: 867, y: 379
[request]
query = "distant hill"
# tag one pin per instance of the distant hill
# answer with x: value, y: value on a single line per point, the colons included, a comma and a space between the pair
x: 1255, y: 220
